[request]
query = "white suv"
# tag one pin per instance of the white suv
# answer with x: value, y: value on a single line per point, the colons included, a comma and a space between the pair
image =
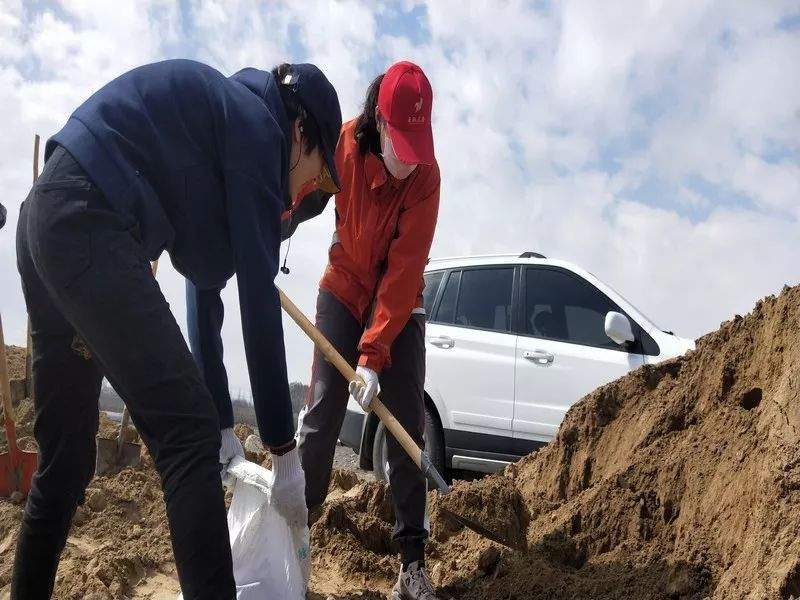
x: 512, y: 342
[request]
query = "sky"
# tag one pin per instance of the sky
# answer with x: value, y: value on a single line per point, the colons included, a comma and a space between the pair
x: 654, y: 143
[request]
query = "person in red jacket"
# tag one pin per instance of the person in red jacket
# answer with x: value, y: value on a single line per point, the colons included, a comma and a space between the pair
x: 370, y: 299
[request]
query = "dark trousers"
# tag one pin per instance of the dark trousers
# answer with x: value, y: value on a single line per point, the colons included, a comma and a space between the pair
x: 96, y: 310
x: 402, y: 391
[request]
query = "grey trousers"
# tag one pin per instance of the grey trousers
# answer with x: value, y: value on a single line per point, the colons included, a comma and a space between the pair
x: 402, y: 391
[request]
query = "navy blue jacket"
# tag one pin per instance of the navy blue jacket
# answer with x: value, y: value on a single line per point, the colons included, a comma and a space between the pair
x: 198, y: 164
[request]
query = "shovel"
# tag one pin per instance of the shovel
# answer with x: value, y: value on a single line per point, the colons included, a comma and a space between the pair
x: 115, y: 455
x: 16, y: 466
x: 417, y: 454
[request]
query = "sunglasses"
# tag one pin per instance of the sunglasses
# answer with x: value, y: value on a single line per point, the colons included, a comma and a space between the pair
x: 325, y: 182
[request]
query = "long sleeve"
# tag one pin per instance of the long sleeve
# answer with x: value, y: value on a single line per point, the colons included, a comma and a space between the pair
x: 401, y: 283
x: 204, y: 315
x: 254, y: 217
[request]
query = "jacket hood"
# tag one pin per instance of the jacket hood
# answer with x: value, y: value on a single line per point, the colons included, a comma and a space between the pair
x: 263, y: 85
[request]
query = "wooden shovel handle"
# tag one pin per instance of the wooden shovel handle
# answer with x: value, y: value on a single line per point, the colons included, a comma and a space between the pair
x: 35, y: 157
x: 28, y: 344
x: 336, y: 359
x: 5, y: 392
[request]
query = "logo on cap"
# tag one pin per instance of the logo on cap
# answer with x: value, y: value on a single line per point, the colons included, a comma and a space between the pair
x: 418, y: 105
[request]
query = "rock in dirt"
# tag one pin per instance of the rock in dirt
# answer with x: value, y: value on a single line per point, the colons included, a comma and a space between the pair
x: 97, y: 500
x: 243, y: 431
x: 254, y: 450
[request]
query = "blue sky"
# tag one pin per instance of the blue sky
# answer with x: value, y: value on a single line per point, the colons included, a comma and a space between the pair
x: 656, y: 144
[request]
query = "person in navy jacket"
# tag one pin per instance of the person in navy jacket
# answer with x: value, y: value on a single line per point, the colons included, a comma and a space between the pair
x: 173, y: 157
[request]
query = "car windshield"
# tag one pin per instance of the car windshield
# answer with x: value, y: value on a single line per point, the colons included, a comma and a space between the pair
x: 629, y: 303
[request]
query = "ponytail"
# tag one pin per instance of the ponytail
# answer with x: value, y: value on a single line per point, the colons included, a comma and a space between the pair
x: 367, y: 136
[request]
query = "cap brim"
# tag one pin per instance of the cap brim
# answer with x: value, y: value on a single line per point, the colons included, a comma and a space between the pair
x: 331, y: 183
x: 413, y: 146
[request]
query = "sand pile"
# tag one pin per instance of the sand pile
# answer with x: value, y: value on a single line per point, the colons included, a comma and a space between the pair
x: 23, y: 418
x: 680, y: 480
x: 119, y: 542
x: 15, y: 362
x: 118, y: 547
x: 23, y: 411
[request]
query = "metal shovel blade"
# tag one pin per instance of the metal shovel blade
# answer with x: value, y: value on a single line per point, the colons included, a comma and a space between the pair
x: 481, y: 530
x: 16, y: 472
x: 111, y: 457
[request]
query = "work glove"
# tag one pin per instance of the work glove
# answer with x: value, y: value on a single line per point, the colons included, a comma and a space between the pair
x: 289, y: 488
x: 364, y: 387
x: 230, y: 447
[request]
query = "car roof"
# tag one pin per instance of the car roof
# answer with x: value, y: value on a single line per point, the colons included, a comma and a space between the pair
x: 526, y: 258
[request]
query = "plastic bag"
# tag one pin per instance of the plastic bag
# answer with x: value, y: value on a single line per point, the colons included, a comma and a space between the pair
x: 270, y: 559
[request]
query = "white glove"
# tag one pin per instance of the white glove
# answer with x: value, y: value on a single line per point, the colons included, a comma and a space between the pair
x: 364, y: 391
x: 289, y: 488
x: 230, y: 447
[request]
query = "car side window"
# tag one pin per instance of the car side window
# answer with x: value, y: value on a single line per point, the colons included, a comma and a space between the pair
x: 432, y: 282
x: 484, y: 299
x: 562, y: 307
x: 447, y: 306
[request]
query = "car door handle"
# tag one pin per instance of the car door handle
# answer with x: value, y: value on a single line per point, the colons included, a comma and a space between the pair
x: 443, y: 341
x: 539, y: 357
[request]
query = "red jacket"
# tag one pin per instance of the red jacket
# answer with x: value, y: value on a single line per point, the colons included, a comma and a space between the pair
x: 384, y: 231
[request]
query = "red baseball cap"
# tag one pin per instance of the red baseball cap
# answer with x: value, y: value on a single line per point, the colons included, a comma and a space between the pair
x: 405, y: 100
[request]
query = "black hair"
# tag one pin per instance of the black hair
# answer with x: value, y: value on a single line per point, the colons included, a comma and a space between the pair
x: 295, y: 109
x: 367, y: 136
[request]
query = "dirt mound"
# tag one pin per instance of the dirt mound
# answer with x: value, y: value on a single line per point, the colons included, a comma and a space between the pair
x: 23, y: 418
x: 15, y: 362
x: 119, y: 545
x: 119, y: 539
x: 351, y: 539
x: 680, y: 480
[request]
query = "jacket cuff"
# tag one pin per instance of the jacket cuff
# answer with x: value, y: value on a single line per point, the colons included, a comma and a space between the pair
x: 371, y: 362
x: 281, y: 450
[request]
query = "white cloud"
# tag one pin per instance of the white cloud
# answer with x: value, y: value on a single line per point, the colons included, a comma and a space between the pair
x: 548, y: 120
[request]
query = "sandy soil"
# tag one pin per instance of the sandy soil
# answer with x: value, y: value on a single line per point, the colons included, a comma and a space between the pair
x: 678, y: 481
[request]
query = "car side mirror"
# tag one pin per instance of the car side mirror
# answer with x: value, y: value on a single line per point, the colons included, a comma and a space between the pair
x: 618, y: 328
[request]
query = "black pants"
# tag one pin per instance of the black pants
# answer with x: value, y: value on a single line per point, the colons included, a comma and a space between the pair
x: 402, y: 391
x: 85, y: 279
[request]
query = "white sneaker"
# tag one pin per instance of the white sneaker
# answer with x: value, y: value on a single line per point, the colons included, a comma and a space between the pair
x: 414, y: 584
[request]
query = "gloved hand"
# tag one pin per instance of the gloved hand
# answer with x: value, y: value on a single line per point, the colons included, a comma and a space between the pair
x: 365, y: 390
x: 230, y: 447
x: 289, y: 488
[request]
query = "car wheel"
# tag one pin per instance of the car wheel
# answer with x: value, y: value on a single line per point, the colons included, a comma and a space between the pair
x: 434, y: 446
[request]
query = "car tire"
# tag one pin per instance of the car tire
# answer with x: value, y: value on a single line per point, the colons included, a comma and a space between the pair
x: 434, y: 446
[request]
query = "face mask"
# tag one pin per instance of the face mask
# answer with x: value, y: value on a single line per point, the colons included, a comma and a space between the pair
x: 394, y: 165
